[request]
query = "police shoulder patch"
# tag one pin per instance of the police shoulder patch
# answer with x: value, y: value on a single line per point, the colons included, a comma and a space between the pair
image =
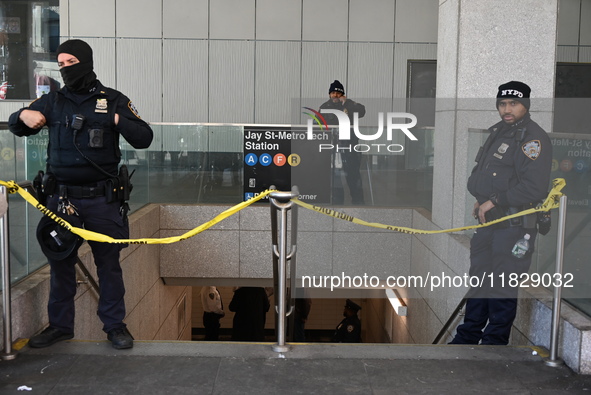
x: 532, y: 149
x: 133, y: 109
x: 350, y: 328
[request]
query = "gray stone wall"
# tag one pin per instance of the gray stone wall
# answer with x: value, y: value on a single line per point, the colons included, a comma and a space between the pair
x: 240, y: 247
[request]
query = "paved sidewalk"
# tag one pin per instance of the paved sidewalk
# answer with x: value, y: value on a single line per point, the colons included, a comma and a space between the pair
x: 84, y: 367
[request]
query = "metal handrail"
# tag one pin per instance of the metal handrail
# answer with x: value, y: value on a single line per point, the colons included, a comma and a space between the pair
x: 553, y: 359
x: 87, y: 274
x: 7, y: 353
x: 451, y: 319
x: 280, y: 204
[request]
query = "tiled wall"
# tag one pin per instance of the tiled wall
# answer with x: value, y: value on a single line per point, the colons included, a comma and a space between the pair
x: 241, y: 245
x: 244, y: 61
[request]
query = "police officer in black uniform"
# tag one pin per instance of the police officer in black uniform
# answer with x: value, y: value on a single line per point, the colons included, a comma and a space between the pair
x: 349, y: 330
x: 512, y: 174
x: 85, y: 120
x: 351, y: 159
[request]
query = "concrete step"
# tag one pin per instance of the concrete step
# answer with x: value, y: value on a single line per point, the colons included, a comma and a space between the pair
x: 297, y: 350
x: 92, y: 367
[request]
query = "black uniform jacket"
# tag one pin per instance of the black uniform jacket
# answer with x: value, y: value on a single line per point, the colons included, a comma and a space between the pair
x: 97, y: 138
x: 349, y: 330
x: 514, y: 164
x: 348, y: 107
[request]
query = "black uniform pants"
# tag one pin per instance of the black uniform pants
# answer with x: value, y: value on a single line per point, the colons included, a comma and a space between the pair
x: 211, y: 323
x: 95, y: 214
x: 491, y: 308
x: 351, y: 162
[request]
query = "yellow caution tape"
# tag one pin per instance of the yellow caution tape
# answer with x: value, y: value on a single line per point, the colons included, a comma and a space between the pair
x: 13, y: 187
x: 551, y: 202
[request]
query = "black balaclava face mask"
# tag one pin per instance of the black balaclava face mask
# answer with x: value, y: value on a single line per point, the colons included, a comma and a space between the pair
x: 78, y: 77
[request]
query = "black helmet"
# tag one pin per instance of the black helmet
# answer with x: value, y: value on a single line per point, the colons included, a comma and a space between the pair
x: 56, y: 242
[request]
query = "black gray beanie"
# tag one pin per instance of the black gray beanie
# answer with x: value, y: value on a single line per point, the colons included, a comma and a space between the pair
x: 336, y: 86
x: 514, y: 90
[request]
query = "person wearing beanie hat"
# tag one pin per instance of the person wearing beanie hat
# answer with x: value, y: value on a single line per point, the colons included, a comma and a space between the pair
x: 336, y: 86
x: 351, y: 159
x: 512, y: 173
x: 516, y: 90
x: 85, y: 120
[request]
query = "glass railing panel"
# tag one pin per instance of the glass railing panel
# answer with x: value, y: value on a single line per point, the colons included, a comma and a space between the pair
x: 571, y: 161
x: 16, y: 163
x: 190, y: 163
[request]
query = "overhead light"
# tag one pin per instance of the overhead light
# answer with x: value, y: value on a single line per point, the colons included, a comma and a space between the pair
x: 396, y: 301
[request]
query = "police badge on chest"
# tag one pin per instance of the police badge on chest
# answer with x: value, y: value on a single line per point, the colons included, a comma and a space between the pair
x: 501, y: 150
x: 101, y: 106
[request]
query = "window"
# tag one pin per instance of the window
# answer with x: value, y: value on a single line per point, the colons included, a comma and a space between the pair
x: 29, y: 37
x: 573, y: 98
x: 421, y: 82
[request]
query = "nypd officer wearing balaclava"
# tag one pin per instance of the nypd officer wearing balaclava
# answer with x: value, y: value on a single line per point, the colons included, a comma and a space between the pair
x: 85, y: 120
x: 512, y: 174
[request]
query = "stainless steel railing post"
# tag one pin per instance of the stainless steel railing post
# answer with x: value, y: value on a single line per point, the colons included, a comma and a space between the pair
x: 553, y: 359
x: 281, y: 201
x: 7, y: 352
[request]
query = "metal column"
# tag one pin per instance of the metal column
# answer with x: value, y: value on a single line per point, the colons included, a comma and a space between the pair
x: 7, y: 352
x: 281, y: 204
x: 553, y: 359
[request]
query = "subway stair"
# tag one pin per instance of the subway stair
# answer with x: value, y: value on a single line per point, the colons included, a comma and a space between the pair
x: 94, y: 367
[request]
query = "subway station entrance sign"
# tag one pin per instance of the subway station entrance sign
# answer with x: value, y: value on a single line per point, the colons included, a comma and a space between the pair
x: 283, y: 156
